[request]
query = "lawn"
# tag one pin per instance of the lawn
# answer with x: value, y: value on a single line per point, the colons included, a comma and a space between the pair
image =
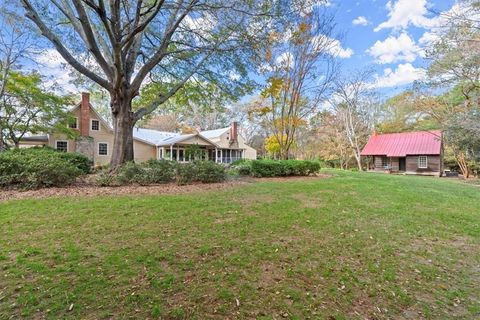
x: 352, y: 246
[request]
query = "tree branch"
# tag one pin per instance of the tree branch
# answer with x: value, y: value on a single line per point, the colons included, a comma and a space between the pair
x: 32, y: 14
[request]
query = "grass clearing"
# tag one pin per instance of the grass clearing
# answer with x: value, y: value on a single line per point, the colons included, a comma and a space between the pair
x: 355, y: 245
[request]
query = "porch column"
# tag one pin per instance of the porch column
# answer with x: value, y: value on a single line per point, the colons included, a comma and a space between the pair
x: 177, y: 157
x: 171, y: 152
x: 216, y: 155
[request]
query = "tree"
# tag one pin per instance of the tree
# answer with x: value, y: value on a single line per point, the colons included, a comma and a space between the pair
x: 299, y: 65
x: 29, y: 108
x: 355, y: 103
x: 462, y: 131
x: 198, y: 105
x: 455, y: 52
x: 15, y: 44
x: 120, y: 44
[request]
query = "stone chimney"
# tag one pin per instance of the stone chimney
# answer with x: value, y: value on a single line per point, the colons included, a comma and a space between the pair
x: 234, y: 132
x: 85, y: 114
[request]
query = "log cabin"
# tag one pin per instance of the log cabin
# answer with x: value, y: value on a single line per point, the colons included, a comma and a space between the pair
x: 418, y: 153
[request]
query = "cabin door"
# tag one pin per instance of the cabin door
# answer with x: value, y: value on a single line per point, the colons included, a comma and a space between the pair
x: 402, y: 164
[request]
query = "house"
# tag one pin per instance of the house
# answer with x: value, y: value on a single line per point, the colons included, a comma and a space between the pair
x: 95, y: 140
x: 419, y: 153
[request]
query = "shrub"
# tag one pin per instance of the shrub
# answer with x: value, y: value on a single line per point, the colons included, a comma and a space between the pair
x: 162, y: 171
x: 159, y: 171
x: 210, y: 172
x: 244, y: 169
x: 185, y: 173
x: 78, y: 160
x: 130, y: 172
x: 106, y: 178
x: 36, y: 167
x: 279, y: 168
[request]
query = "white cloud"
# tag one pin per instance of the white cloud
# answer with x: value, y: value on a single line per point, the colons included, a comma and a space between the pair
x: 395, y: 49
x: 285, y: 60
x: 404, y: 74
x: 403, y: 13
x: 360, y: 21
x: 332, y: 46
x: 56, y: 70
x: 338, y: 51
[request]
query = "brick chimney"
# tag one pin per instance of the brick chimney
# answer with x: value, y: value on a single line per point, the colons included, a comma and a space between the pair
x: 85, y: 114
x: 234, y: 132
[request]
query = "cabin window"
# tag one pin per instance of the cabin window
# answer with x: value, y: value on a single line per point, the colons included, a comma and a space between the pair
x: 95, y: 125
x: 384, y: 162
x: 422, y: 162
x: 73, y: 123
x: 61, y: 145
x: 102, y: 149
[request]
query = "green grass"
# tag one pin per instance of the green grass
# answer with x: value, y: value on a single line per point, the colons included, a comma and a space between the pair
x: 352, y: 246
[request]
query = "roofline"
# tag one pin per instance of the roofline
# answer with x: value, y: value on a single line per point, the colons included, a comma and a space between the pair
x: 106, y: 124
x: 189, y: 136
x: 434, y: 132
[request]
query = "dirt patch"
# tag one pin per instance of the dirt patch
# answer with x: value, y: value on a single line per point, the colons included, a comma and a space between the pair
x: 84, y: 190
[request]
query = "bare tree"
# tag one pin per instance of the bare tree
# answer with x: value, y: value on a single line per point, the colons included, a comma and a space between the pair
x: 300, y: 67
x: 356, y: 105
x: 119, y: 44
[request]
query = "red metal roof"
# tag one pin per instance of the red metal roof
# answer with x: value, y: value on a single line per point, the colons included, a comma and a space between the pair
x: 405, y: 143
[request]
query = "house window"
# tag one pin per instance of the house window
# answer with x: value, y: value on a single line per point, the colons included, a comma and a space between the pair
x: 384, y: 162
x: 422, y: 162
x: 61, y: 146
x: 95, y: 125
x: 73, y: 123
x: 102, y: 149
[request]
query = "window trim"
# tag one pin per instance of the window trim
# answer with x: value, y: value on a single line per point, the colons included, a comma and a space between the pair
x: 76, y: 124
x: 56, y: 144
x: 91, y: 125
x: 98, y: 149
x: 426, y: 162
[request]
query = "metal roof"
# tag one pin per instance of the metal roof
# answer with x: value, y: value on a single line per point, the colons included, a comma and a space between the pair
x: 403, y: 144
x: 154, y: 136
x: 40, y: 138
x: 209, y: 134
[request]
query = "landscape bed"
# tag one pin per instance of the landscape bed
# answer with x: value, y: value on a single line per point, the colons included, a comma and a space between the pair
x: 353, y: 246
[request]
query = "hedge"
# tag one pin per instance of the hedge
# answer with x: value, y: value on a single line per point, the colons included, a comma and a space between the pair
x: 39, y: 167
x: 282, y: 168
x: 163, y: 171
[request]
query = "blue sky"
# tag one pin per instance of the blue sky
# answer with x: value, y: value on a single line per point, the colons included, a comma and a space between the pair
x: 387, y: 36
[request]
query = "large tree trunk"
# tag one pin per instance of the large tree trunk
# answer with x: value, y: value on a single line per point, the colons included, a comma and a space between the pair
x: 123, y: 122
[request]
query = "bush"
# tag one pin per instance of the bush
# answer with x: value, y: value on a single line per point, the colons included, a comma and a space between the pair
x: 107, y: 178
x: 210, y: 172
x: 159, y: 171
x: 36, y: 167
x: 281, y: 168
x: 162, y: 171
x: 185, y: 173
x: 130, y: 172
x: 78, y: 160
x: 244, y: 169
